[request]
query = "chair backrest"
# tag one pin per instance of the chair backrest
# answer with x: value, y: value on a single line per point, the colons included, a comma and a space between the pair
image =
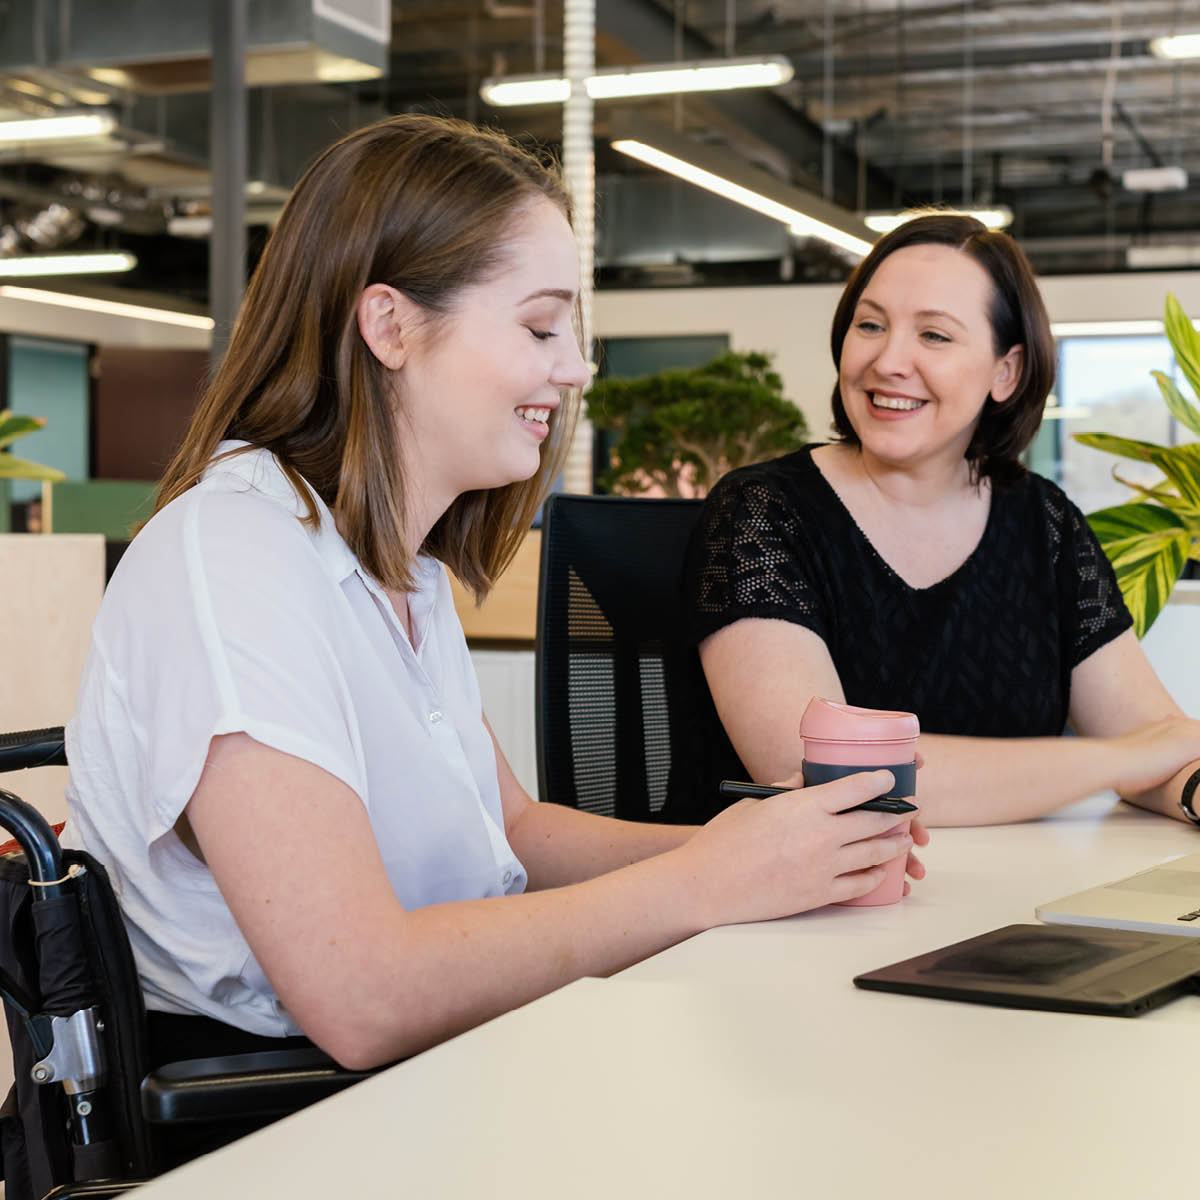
x: 610, y: 646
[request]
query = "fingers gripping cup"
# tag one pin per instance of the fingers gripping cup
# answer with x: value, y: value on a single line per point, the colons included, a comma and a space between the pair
x: 840, y: 739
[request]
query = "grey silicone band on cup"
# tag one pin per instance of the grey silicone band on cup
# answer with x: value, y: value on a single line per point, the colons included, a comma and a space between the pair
x: 905, y: 775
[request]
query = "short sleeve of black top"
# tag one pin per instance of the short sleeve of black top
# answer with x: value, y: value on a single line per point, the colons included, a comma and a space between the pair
x: 987, y: 652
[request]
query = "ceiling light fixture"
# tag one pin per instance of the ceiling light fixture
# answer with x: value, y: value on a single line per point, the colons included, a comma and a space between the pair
x: 60, y: 128
x: 115, y: 308
x: 1063, y: 412
x: 653, y: 79
x: 726, y: 174
x: 1163, y: 254
x: 1181, y: 45
x: 1149, y: 328
x: 1155, y: 179
x: 99, y: 263
x: 798, y: 222
x: 996, y: 217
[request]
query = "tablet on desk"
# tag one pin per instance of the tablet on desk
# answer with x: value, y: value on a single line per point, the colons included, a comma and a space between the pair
x: 1111, y: 972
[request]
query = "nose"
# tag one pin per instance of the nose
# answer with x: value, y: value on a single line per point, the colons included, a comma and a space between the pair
x: 570, y: 369
x: 895, y: 354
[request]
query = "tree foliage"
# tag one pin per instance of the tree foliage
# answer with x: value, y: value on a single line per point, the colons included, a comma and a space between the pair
x: 694, y: 424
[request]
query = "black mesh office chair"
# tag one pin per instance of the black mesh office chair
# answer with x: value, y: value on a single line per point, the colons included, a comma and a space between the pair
x: 84, y: 1107
x: 609, y: 650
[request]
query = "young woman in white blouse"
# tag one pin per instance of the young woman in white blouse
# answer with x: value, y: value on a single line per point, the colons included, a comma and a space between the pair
x: 279, y: 749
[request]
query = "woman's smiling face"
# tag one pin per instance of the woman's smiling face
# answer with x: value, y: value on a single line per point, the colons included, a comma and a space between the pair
x: 919, y: 360
x: 478, y: 392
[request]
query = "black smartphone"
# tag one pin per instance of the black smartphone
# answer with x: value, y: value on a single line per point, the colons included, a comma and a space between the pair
x: 732, y: 789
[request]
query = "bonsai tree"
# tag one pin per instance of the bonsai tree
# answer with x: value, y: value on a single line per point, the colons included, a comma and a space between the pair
x: 1150, y: 538
x: 11, y: 428
x: 689, y: 426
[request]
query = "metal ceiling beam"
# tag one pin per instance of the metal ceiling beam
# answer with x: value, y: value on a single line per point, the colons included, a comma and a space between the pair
x: 809, y: 68
x: 649, y: 31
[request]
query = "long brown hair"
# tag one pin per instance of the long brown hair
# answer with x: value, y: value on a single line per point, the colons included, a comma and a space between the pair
x: 421, y: 204
x: 1018, y: 318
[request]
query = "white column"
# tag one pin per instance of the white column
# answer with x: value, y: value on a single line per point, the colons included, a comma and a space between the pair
x: 579, y: 61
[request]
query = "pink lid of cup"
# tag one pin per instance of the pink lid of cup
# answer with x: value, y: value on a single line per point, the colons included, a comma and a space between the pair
x: 827, y: 721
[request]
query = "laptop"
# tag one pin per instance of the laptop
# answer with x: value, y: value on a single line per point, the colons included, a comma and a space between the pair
x: 1161, y: 899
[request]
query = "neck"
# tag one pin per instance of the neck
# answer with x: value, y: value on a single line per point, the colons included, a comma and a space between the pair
x: 920, y: 485
x: 419, y: 518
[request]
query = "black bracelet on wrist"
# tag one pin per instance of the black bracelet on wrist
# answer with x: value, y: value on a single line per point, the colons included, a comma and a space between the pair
x: 1185, y: 800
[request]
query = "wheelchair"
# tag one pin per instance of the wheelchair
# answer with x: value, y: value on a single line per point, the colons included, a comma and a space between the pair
x: 87, y: 1115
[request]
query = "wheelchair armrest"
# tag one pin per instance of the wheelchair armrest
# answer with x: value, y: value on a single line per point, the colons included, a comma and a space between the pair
x: 33, y: 748
x: 270, y: 1083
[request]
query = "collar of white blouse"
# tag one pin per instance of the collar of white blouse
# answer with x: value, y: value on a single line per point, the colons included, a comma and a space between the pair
x: 258, y: 469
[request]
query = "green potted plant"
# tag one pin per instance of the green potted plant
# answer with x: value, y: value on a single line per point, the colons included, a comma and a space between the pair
x: 1151, y: 537
x: 680, y: 430
x: 11, y: 467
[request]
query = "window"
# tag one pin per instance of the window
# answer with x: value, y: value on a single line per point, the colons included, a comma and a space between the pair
x: 1105, y: 386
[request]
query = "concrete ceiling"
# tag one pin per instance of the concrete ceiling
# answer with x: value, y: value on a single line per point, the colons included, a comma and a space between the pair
x: 894, y: 102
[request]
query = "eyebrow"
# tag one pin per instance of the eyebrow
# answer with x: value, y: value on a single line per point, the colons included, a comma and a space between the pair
x: 564, y: 294
x: 925, y: 312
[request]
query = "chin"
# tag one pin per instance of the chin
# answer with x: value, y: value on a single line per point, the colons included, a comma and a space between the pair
x: 518, y: 473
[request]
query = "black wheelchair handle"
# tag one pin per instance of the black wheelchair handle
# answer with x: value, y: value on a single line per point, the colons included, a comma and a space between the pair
x: 37, y: 839
x: 33, y: 748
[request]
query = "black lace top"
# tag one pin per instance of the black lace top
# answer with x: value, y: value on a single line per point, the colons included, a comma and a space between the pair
x: 988, y: 651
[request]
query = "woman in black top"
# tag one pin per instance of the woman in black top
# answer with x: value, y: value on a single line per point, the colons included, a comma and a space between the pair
x: 914, y: 564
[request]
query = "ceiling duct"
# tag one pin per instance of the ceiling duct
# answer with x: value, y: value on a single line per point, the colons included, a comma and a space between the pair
x: 151, y: 47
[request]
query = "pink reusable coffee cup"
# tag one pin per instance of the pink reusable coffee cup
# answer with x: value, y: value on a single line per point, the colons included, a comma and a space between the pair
x: 840, y: 739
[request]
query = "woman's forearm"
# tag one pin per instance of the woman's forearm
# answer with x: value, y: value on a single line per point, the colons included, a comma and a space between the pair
x: 1165, y: 797
x: 561, y: 845
x: 976, y: 781
x: 480, y: 958
x: 987, y: 781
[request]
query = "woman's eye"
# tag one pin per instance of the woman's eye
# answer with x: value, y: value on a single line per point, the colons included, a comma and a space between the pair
x: 931, y: 335
x: 543, y: 335
x: 868, y: 326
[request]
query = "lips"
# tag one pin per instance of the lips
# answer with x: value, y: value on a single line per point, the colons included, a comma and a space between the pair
x: 895, y: 403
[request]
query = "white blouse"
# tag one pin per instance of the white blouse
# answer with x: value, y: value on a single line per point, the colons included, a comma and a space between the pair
x: 226, y: 615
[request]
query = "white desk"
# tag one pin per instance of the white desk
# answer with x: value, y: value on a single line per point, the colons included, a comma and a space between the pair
x: 744, y: 1064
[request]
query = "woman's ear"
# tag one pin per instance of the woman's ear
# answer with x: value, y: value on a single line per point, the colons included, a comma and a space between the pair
x: 387, y: 320
x: 1008, y: 374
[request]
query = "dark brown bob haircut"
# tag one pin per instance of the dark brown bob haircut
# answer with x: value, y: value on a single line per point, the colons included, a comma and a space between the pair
x: 1018, y: 318
x: 424, y: 205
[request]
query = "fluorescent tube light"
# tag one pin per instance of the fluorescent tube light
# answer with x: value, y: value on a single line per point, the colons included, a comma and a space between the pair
x: 42, y: 129
x: 27, y: 265
x: 1182, y: 45
x: 1181, y: 254
x: 516, y: 90
x: 1106, y: 328
x: 998, y: 217
x: 798, y: 222
x: 657, y: 79
x: 1155, y: 179
x: 116, y: 308
x: 1071, y: 412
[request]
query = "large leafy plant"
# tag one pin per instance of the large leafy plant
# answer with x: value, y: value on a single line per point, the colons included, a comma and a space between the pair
x: 11, y: 467
x: 683, y: 429
x: 1149, y: 539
